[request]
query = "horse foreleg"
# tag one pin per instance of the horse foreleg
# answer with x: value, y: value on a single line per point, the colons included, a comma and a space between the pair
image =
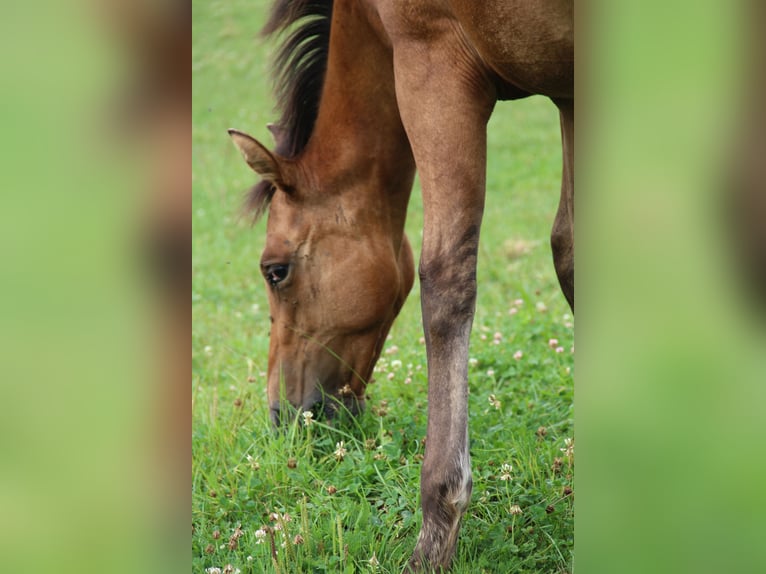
x: 562, y: 236
x: 445, y: 118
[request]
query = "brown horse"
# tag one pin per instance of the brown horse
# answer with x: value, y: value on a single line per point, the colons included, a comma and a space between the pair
x: 369, y: 90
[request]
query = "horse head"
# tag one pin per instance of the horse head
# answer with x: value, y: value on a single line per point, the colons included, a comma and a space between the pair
x: 335, y: 280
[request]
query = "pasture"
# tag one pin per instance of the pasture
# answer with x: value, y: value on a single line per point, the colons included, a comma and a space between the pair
x: 345, y: 498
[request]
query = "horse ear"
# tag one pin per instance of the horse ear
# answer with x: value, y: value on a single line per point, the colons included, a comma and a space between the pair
x: 269, y: 166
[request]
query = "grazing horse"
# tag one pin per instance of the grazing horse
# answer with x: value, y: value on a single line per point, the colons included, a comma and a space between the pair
x: 369, y: 90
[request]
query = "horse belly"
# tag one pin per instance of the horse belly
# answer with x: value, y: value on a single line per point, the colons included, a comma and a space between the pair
x: 528, y: 43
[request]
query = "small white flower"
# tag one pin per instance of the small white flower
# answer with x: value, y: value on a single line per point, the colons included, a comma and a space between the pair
x: 308, y: 418
x: 513, y: 311
x: 392, y: 349
x: 505, y: 471
x: 541, y: 307
x: 396, y: 364
x: 251, y: 461
x: 569, y: 448
x: 340, y: 451
x: 208, y: 350
x: 260, y: 535
x: 553, y: 343
x: 249, y: 558
x: 517, y: 355
x: 518, y: 302
x: 473, y: 362
x: 491, y: 372
x: 559, y: 349
x: 515, y: 509
x: 495, y: 402
x: 373, y: 561
x: 213, y: 570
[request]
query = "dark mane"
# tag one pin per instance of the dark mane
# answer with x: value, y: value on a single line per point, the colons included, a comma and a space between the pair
x: 299, y: 70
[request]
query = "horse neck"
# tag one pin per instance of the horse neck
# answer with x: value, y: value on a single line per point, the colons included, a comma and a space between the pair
x: 358, y: 144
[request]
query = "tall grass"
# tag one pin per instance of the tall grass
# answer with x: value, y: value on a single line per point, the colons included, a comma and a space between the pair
x: 289, y: 502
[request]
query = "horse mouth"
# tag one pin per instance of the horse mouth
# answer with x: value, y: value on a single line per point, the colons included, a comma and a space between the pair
x: 322, y: 406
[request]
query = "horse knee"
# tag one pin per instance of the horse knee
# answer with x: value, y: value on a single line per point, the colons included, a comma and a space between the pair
x: 448, y: 283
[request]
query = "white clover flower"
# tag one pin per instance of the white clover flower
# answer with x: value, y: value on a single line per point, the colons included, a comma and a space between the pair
x: 260, y: 535
x: 308, y: 418
x: 553, y: 343
x: 515, y: 509
x: 505, y: 471
x: 340, y: 451
x: 495, y: 402
x: 517, y: 355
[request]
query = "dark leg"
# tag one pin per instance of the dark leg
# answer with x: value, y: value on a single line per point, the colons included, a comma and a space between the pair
x: 562, y: 235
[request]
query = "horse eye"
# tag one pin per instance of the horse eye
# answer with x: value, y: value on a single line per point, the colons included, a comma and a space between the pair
x: 276, y: 273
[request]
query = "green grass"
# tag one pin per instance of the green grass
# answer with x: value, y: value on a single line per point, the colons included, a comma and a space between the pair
x: 347, y: 511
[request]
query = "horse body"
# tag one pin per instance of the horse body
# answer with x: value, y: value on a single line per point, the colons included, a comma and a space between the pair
x: 406, y: 83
